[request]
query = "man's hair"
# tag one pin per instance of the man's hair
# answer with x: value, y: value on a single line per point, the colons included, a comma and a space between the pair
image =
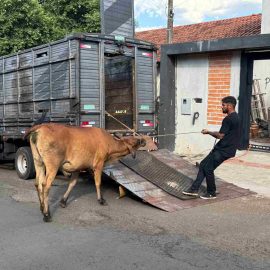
x: 230, y: 99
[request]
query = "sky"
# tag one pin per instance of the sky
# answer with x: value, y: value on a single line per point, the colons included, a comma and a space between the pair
x: 150, y: 14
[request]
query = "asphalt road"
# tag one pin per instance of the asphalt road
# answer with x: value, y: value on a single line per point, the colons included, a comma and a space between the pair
x: 127, y: 234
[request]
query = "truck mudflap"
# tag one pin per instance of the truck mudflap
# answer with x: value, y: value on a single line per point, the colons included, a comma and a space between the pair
x: 171, y: 174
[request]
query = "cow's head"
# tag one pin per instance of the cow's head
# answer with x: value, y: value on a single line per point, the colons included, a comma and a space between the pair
x: 133, y: 143
x: 150, y: 144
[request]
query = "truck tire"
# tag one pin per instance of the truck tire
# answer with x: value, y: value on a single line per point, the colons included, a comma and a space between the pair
x: 24, y: 163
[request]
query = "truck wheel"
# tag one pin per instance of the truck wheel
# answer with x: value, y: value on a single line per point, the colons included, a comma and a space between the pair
x: 24, y: 163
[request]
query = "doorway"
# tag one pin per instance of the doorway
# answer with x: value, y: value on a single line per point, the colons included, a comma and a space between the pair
x: 119, y: 92
x: 254, y: 100
x: 260, y: 103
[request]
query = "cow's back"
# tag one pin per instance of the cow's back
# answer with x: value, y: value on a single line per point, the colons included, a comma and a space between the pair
x: 76, y: 145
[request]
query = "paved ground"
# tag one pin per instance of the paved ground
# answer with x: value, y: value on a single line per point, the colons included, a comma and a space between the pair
x: 129, y: 234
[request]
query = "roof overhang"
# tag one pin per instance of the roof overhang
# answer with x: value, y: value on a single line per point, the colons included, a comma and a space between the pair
x: 258, y: 42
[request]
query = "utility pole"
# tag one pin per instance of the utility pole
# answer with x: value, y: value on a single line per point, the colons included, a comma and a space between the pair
x: 170, y: 22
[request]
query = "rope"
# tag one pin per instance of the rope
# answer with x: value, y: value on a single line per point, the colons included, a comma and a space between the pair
x: 175, y: 134
x: 121, y: 123
x: 164, y: 135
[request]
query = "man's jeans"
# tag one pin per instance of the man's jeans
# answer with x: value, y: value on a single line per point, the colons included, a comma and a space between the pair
x: 206, y: 170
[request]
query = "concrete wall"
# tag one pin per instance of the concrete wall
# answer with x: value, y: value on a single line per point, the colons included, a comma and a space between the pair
x: 209, y: 77
x: 235, y: 75
x: 191, y: 82
x: 261, y: 71
x: 265, y: 28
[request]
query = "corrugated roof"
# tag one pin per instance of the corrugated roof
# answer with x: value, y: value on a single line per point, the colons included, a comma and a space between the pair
x: 227, y: 28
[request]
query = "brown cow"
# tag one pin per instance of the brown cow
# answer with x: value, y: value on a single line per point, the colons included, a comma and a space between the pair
x: 73, y: 149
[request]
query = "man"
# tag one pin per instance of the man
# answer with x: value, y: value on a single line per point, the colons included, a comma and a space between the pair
x: 226, y: 148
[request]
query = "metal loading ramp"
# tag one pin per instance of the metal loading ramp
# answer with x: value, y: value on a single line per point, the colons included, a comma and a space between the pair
x: 160, y: 174
x: 159, y: 177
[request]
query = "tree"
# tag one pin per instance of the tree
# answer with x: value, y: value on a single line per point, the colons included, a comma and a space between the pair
x: 24, y: 24
x: 75, y: 15
x: 29, y: 23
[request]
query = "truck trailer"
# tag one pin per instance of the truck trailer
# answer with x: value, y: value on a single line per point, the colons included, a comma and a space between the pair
x: 87, y: 80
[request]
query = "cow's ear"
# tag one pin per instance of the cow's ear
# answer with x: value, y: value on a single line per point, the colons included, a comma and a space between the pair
x: 142, y: 142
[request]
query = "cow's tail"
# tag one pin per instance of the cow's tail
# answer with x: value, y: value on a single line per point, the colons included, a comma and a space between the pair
x: 32, y: 134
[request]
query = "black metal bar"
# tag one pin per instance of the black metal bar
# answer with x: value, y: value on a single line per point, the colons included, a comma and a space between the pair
x: 245, y: 92
x: 167, y: 101
x: 225, y: 44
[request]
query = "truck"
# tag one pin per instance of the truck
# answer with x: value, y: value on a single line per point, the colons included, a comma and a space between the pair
x: 84, y: 79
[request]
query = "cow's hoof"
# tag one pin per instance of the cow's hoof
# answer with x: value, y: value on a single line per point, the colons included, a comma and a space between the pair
x: 47, y: 218
x: 102, y: 202
x: 63, y: 203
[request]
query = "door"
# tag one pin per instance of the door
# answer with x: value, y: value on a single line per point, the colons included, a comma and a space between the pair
x: 119, y: 87
x: 191, y: 103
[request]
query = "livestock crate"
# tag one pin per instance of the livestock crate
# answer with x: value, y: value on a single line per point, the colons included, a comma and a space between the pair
x: 83, y: 75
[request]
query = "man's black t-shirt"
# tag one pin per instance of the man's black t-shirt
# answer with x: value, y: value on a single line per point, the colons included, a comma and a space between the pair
x: 230, y: 128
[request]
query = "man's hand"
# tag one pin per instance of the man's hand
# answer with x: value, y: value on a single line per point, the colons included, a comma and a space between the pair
x: 215, y: 134
x: 205, y: 131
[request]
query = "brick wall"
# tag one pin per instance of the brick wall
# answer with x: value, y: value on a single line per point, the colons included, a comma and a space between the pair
x: 219, y: 78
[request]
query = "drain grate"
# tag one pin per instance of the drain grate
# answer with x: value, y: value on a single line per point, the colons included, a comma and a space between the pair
x: 260, y: 148
x: 160, y: 174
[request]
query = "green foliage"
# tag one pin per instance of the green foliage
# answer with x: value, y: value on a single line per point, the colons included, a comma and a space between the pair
x: 24, y: 24
x: 28, y: 23
x: 75, y: 15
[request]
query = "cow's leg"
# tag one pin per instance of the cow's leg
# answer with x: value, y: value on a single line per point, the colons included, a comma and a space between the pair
x: 97, y: 175
x: 72, y: 183
x: 51, y: 172
x: 40, y: 178
x: 40, y: 173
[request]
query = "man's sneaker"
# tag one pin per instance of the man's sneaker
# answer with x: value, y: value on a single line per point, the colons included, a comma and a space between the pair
x: 191, y: 192
x: 208, y: 196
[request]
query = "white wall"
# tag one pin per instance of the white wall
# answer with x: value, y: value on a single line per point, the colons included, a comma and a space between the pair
x: 192, y: 82
x: 261, y: 71
x: 235, y: 75
x: 265, y: 28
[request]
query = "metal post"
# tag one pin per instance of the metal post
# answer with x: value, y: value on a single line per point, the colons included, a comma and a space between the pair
x: 170, y: 22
